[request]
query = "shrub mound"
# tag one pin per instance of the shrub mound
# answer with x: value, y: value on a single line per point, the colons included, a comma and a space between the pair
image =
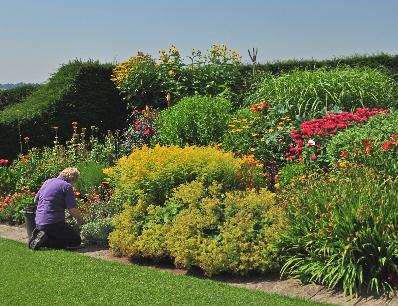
x: 197, y: 120
x: 152, y: 173
x: 79, y: 91
x: 15, y: 95
x: 203, y: 227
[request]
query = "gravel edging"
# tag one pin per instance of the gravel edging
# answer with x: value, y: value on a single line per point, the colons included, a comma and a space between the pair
x: 270, y: 284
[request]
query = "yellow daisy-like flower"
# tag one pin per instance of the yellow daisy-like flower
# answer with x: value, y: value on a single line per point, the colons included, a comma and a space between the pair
x: 262, y: 139
x: 271, y: 130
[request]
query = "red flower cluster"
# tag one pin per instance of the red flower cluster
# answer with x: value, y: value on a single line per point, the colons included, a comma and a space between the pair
x: 3, y: 162
x: 326, y: 126
x: 143, y: 124
x: 393, y: 142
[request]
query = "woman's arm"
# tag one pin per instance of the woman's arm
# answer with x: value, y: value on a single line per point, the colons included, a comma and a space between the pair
x: 75, y: 212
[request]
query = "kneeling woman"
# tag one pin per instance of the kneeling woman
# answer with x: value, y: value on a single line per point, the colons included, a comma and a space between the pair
x: 54, y: 197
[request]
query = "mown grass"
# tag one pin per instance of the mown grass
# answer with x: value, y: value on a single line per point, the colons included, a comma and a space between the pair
x: 66, y: 278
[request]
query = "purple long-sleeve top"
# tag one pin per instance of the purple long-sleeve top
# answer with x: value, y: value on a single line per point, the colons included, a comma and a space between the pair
x: 52, y: 199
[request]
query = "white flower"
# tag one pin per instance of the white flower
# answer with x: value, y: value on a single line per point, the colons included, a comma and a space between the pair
x: 311, y: 142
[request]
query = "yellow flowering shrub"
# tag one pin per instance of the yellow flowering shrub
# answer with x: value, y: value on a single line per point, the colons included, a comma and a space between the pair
x: 204, y: 227
x: 152, y: 173
x: 228, y: 233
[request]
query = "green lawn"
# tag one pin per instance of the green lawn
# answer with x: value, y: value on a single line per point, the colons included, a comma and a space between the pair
x: 66, y: 278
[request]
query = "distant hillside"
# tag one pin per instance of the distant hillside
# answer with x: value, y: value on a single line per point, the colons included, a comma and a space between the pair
x: 12, y: 85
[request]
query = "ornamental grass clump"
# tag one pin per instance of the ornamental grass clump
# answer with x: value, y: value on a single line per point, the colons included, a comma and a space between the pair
x: 342, y: 230
x: 308, y: 94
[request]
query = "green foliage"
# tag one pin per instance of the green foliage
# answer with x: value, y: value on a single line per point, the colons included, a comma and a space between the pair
x: 290, y: 173
x: 97, y: 232
x: 79, y: 91
x: 91, y: 175
x: 203, y: 227
x: 342, y: 230
x: 309, y: 93
x: 262, y: 132
x: 11, y: 206
x: 382, y: 61
x: 363, y: 143
x: 29, y: 171
x: 195, y: 120
x: 142, y: 80
x: 15, y: 95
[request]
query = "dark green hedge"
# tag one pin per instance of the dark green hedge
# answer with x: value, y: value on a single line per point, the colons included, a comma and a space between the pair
x: 79, y: 91
x: 15, y: 95
x: 384, y: 61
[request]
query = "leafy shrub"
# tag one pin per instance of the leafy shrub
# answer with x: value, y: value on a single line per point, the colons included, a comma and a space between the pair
x: 97, y: 232
x: 308, y: 94
x: 12, y: 204
x: 15, y: 95
x: 371, y: 144
x: 342, y: 230
x: 290, y: 173
x: 143, y: 80
x: 199, y: 226
x: 152, y: 173
x: 91, y: 175
x: 79, y: 91
x: 262, y: 131
x: 195, y: 120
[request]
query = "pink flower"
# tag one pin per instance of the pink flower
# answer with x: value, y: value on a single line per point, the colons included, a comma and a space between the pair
x: 311, y: 143
x: 26, y: 139
x: 137, y: 128
x: 313, y: 157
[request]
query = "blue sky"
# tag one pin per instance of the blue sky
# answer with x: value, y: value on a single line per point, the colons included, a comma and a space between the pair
x: 38, y: 36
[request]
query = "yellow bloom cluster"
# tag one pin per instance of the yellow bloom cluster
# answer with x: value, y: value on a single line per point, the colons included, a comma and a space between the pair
x: 220, y: 53
x: 153, y: 171
x: 239, y: 125
x: 121, y: 71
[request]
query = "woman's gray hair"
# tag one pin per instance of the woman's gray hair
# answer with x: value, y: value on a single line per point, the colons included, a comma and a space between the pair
x: 71, y: 174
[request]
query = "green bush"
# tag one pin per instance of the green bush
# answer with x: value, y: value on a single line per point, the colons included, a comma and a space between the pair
x: 383, y: 61
x: 15, y: 95
x: 97, y: 232
x: 311, y: 93
x: 143, y: 80
x: 203, y: 227
x: 342, y: 230
x: 91, y: 175
x: 11, y: 206
x: 364, y: 143
x: 262, y: 132
x: 79, y: 91
x: 195, y: 120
